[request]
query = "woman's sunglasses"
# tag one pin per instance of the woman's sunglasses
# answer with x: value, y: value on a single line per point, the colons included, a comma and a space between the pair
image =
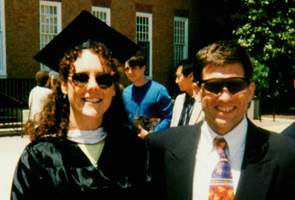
x: 104, y: 81
x: 233, y: 85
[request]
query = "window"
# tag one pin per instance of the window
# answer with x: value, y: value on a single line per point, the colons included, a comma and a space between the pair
x: 144, y: 38
x: 180, y: 39
x: 104, y: 14
x: 50, y: 22
x: 2, y: 41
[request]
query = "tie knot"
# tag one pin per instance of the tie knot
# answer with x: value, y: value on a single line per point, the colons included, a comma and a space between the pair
x: 221, y: 146
x: 220, y: 142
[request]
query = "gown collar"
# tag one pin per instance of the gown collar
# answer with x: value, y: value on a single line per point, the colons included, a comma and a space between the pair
x: 87, y: 136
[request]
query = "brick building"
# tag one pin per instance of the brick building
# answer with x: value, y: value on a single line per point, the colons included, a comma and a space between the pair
x: 161, y: 27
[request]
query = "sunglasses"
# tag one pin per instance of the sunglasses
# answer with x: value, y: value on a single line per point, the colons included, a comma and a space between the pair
x: 104, y: 81
x: 234, y: 85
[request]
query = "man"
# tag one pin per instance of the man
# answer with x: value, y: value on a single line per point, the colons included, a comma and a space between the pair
x: 147, y: 102
x: 38, y: 95
x: 187, y: 109
x: 247, y: 162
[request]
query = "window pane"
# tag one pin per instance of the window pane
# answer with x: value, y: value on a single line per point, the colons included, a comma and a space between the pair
x: 143, y: 38
x: 50, y: 22
x: 102, y: 13
x: 180, y: 39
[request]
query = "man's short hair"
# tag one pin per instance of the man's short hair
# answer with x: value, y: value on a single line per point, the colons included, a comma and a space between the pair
x: 221, y: 53
x: 186, y: 65
x: 42, y: 77
x: 136, y: 60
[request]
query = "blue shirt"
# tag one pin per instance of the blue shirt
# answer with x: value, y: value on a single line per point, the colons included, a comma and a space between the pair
x: 151, y: 100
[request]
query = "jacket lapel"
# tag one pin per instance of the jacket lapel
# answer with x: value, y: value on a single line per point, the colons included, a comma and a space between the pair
x: 178, y: 109
x: 256, y: 173
x: 257, y: 166
x: 181, y: 162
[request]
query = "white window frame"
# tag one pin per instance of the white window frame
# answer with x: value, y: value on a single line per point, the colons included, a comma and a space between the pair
x: 49, y: 34
x: 3, y: 67
x: 147, y: 37
x: 98, y: 11
x: 180, y: 38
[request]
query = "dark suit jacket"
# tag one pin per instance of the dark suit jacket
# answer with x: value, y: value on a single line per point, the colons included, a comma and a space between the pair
x: 268, y: 168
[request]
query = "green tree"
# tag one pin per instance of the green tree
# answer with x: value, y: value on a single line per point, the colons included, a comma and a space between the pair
x: 267, y: 29
x: 260, y: 77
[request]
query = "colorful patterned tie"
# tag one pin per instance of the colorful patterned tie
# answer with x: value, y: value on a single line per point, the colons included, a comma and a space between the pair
x: 221, y: 187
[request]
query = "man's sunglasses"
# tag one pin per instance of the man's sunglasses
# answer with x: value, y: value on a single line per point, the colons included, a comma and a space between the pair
x: 104, y: 81
x: 233, y: 85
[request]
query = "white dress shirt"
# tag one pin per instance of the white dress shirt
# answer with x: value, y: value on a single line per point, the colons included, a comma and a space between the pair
x: 37, y: 99
x: 207, y: 157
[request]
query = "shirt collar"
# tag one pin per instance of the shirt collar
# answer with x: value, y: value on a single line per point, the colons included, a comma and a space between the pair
x: 235, y: 138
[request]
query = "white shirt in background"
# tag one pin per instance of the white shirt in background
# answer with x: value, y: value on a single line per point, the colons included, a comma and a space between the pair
x: 37, y: 99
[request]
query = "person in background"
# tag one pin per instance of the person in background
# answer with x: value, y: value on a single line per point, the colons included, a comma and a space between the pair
x: 187, y: 109
x: 53, y: 79
x: 39, y: 94
x: 225, y: 156
x: 147, y: 102
x: 82, y: 146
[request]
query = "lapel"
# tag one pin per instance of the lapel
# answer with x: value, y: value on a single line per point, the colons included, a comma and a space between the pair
x: 178, y: 108
x: 257, y: 166
x: 180, y: 163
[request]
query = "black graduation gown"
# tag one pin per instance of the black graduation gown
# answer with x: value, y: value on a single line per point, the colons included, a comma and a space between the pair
x: 55, y: 168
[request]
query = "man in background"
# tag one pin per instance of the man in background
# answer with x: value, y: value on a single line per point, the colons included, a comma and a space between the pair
x: 147, y: 102
x: 39, y: 94
x: 187, y: 109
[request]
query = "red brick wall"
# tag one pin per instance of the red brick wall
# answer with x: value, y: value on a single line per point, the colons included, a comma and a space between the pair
x: 22, y: 27
x: 22, y: 37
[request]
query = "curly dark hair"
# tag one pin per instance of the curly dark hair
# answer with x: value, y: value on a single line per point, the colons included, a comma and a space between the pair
x: 54, y: 118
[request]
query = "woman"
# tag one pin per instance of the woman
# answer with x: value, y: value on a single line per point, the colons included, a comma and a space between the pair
x: 82, y: 146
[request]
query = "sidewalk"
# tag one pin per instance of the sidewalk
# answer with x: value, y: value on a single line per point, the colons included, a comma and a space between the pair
x: 278, y: 124
x: 10, y: 151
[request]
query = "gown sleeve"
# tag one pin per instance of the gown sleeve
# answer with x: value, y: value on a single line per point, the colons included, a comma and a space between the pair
x: 30, y: 179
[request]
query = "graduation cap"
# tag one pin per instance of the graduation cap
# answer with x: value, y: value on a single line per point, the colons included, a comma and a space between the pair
x: 84, y: 27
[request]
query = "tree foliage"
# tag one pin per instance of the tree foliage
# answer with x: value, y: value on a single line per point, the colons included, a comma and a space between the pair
x: 260, y: 76
x: 267, y: 29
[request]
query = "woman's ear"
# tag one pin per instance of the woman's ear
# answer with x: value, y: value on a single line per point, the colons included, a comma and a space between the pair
x: 64, y: 87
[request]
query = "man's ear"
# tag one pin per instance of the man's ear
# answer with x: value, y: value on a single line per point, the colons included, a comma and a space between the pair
x: 251, y: 89
x: 196, y: 91
x: 143, y: 68
x: 191, y: 76
x: 64, y: 87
